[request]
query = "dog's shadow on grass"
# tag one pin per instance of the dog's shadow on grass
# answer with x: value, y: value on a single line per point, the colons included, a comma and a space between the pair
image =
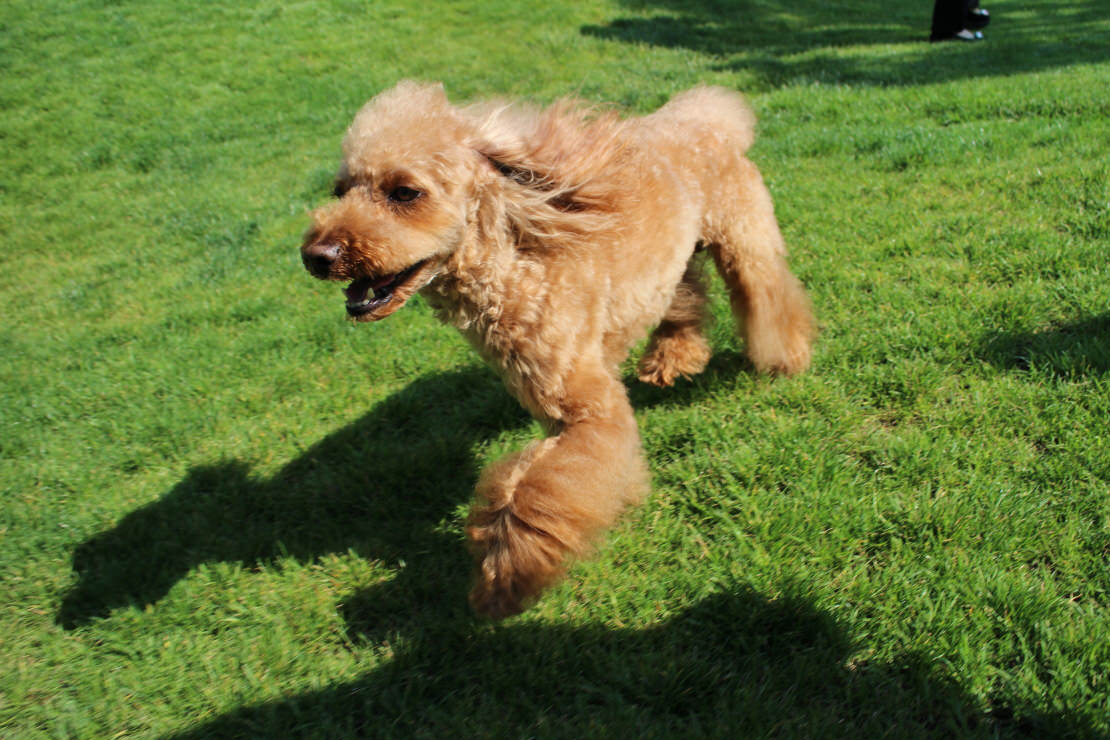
x: 765, y: 39
x: 377, y: 487
x: 1063, y: 350
x: 735, y: 664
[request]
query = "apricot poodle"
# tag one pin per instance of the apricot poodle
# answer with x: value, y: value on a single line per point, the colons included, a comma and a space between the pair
x: 554, y: 239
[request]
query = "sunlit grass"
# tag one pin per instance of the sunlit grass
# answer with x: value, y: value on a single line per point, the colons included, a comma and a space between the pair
x: 228, y: 512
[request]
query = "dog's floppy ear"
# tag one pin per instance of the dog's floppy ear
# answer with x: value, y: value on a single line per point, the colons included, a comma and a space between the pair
x: 504, y: 136
x: 554, y: 163
x: 520, y: 173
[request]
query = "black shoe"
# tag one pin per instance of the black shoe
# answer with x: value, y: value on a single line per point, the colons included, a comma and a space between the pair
x: 964, y: 35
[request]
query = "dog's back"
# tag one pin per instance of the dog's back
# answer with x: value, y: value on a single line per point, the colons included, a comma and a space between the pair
x: 715, y: 112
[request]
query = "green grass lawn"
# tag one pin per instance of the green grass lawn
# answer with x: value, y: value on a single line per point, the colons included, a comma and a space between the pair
x: 228, y: 512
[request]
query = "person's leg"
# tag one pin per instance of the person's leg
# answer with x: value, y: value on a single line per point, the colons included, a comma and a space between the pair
x: 948, y: 18
x: 954, y: 19
x: 977, y: 18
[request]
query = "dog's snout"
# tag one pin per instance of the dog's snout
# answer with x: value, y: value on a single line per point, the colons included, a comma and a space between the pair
x: 318, y: 258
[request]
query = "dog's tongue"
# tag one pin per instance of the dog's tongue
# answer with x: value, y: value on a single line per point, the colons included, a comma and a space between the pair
x: 357, y: 290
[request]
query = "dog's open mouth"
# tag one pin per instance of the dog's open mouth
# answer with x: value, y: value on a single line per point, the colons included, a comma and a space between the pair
x: 390, y: 292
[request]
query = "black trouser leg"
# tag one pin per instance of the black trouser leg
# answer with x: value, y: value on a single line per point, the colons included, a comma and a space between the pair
x: 949, y: 17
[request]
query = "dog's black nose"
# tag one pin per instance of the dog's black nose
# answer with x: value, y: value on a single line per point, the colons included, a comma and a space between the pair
x: 318, y: 258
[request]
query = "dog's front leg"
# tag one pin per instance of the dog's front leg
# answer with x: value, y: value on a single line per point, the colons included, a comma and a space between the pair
x: 548, y: 503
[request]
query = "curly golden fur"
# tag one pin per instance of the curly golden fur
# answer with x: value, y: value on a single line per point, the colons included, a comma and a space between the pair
x: 554, y: 239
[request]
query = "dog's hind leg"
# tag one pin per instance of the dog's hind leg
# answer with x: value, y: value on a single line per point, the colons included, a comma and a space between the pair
x: 678, y: 346
x: 771, y: 308
x: 539, y: 507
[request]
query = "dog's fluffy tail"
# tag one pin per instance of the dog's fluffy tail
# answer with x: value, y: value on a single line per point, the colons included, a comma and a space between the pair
x: 718, y: 109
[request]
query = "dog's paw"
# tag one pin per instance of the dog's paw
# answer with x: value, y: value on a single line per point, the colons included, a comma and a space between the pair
x: 657, y: 375
x: 493, y: 602
x: 669, y: 358
x: 515, y: 561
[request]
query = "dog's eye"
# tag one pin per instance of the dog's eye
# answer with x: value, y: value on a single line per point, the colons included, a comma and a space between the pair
x: 340, y: 189
x: 401, y: 194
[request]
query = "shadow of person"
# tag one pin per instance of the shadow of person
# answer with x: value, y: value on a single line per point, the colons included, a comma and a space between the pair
x: 377, y: 487
x: 770, y: 41
x: 736, y: 664
x: 1067, y: 350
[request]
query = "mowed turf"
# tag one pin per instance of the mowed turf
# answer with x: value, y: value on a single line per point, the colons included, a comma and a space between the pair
x: 228, y: 512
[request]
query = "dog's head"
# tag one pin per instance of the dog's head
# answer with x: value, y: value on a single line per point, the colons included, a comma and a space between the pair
x: 420, y: 179
x: 401, y: 200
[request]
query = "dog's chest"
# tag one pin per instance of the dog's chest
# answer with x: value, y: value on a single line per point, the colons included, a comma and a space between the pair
x: 515, y: 347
